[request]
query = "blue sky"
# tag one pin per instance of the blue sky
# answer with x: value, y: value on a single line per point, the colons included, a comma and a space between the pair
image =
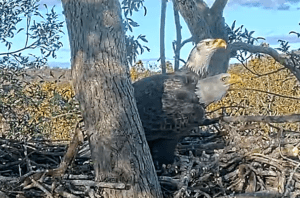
x: 271, y: 19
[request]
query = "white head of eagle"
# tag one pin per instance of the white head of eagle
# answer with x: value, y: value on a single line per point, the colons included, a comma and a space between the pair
x: 201, y: 54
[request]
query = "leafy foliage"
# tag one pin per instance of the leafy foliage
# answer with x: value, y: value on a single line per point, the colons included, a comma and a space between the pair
x: 241, y: 34
x: 138, y: 70
x: 294, y: 32
x: 57, y: 114
x: 294, y: 55
x: 43, y: 34
x: 133, y: 5
x: 284, y: 45
x: 133, y: 45
x: 40, y: 108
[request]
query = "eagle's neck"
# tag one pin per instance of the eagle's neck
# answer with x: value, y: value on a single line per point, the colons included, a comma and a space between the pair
x: 199, y: 62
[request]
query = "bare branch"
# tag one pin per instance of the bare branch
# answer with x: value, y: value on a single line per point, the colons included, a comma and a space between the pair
x: 267, y: 92
x: 269, y: 73
x: 256, y: 49
x: 119, y: 186
x: 266, y: 119
x: 281, y: 58
x: 178, y: 38
x: 183, y: 61
x: 186, y: 41
x: 193, y: 13
x: 70, y: 154
x: 162, y: 36
x: 32, y: 46
x: 262, y: 194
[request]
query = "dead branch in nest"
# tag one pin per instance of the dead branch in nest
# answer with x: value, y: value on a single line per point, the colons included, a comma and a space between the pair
x: 50, y: 181
x: 238, y: 169
x: 266, y: 119
x: 263, y: 194
x: 70, y: 155
x: 225, y: 162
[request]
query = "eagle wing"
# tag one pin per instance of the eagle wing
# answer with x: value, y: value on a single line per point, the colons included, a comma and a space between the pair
x: 180, y: 102
x: 167, y: 104
x: 169, y: 109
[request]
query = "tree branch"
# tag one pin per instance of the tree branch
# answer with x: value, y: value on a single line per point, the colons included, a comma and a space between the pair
x: 267, y: 92
x: 218, y: 7
x: 281, y: 58
x: 19, y: 50
x: 266, y: 119
x: 202, y: 6
x: 178, y: 37
x: 162, y: 36
x: 193, y: 13
x: 186, y: 41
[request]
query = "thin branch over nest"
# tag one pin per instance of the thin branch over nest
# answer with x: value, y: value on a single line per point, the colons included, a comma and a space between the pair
x: 281, y: 58
x: 266, y: 119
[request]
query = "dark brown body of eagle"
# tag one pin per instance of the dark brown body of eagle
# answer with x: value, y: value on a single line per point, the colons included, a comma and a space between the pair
x: 167, y: 115
x: 171, y: 105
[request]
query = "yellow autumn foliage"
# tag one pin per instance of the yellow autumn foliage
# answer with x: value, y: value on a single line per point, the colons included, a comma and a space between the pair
x: 55, y: 111
x: 267, y: 89
x: 138, y: 71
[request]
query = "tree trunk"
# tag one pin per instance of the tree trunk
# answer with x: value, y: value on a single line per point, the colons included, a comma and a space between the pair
x: 118, y: 145
x: 162, y: 36
x: 204, y: 22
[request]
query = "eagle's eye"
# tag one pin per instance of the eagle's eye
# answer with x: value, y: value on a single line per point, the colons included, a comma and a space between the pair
x: 207, y: 43
x: 223, y: 79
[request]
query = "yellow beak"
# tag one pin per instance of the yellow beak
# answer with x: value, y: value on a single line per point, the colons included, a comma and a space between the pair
x: 219, y: 43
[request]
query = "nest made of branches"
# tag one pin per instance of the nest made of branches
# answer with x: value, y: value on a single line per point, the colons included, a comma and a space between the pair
x: 224, y: 160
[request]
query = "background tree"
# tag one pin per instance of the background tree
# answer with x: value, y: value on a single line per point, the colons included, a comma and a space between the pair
x: 42, y: 33
x: 204, y: 22
x: 162, y: 36
x: 177, y: 42
x: 101, y: 79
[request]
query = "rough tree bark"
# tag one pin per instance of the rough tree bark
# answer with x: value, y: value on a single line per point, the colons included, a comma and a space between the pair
x: 162, y: 36
x: 118, y: 145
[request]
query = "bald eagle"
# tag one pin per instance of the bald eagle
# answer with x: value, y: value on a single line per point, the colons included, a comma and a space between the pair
x: 171, y: 105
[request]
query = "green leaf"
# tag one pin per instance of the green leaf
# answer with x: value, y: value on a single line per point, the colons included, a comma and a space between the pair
x: 233, y: 25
